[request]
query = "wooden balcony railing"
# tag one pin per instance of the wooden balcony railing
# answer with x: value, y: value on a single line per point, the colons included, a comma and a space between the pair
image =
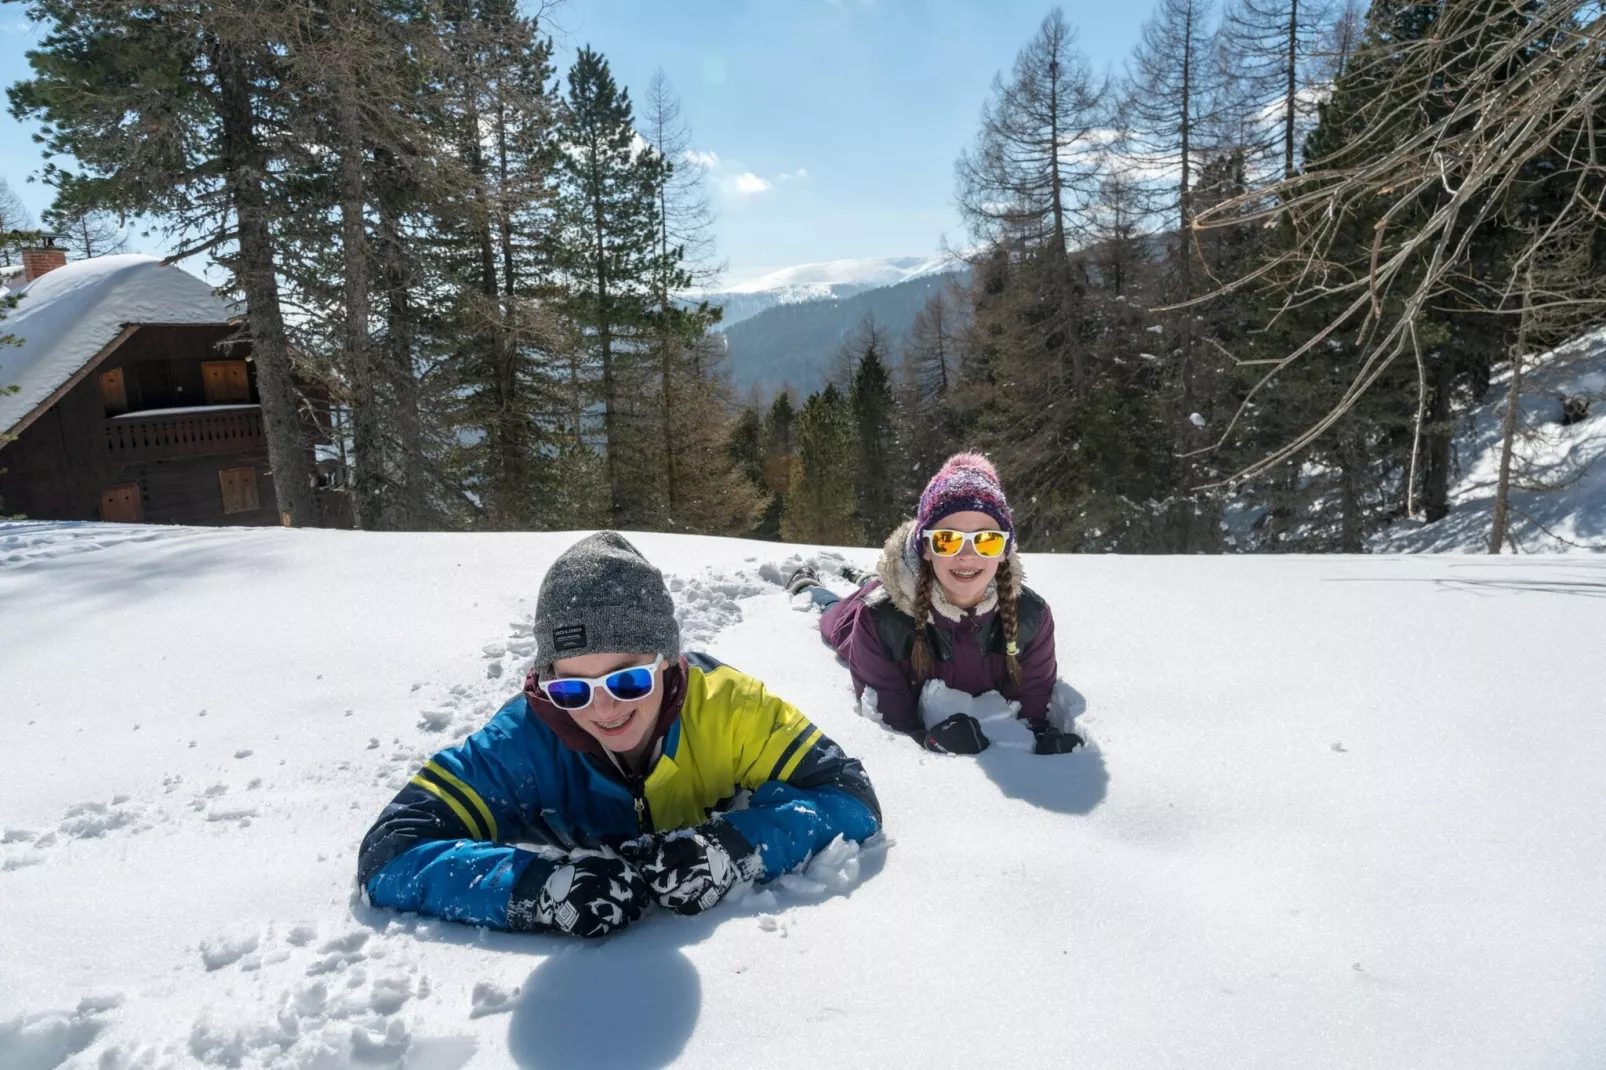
x: 187, y: 433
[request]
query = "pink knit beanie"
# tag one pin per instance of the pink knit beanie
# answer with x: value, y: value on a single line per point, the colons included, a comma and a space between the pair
x: 967, y: 482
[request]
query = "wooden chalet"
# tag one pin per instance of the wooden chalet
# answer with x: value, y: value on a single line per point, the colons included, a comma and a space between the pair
x: 127, y: 405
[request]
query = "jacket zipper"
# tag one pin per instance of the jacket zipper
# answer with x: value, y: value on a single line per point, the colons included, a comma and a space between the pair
x: 638, y: 788
x: 638, y: 792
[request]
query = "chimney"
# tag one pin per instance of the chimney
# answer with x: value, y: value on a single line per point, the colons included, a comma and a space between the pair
x: 44, y: 257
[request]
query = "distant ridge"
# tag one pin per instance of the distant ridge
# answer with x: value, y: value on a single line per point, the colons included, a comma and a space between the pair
x: 792, y: 343
x: 819, y: 281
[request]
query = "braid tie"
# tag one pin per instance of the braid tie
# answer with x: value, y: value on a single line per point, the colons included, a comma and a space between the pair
x: 920, y: 656
x: 1009, y: 617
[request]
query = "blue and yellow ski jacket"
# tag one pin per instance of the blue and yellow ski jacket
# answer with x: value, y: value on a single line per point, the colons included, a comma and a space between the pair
x: 481, y: 819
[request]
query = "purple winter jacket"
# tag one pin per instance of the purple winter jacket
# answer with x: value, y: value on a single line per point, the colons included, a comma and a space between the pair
x: 852, y: 629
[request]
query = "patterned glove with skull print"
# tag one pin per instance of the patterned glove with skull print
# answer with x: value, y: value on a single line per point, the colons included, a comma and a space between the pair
x: 588, y: 896
x: 690, y: 870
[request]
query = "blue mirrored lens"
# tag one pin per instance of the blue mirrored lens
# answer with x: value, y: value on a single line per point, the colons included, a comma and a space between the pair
x: 630, y: 684
x: 569, y: 694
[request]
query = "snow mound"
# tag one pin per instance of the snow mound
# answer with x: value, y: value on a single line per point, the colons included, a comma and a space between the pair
x: 46, y: 1039
x: 999, y: 716
x: 64, y: 318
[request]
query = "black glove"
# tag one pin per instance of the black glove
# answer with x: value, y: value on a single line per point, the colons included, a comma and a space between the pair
x: 690, y: 870
x: 1051, y: 740
x: 586, y: 896
x: 959, y: 734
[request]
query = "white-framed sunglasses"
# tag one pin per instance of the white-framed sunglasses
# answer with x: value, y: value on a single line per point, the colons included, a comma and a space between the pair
x: 626, y: 685
x: 946, y: 543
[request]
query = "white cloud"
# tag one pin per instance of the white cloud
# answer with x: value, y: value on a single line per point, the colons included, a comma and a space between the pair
x: 730, y: 177
x: 800, y: 175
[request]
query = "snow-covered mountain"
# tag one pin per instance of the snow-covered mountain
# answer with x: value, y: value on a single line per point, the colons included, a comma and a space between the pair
x: 821, y: 281
x: 793, y: 344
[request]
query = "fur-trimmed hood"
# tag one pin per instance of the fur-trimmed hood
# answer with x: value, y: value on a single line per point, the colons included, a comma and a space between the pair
x: 899, y: 570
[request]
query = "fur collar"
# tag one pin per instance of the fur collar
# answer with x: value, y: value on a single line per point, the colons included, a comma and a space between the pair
x: 899, y: 569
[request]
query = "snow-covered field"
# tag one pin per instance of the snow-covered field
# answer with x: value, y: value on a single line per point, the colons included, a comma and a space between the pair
x: 1343, y: 812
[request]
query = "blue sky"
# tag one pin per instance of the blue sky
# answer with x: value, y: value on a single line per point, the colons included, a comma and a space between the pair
x: 844, y: 116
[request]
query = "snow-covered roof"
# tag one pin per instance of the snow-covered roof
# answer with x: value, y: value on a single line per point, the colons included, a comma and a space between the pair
x: 67, y: 317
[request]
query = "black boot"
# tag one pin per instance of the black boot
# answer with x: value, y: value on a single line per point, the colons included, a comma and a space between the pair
x: 801, y: 579
x: 856, y: 576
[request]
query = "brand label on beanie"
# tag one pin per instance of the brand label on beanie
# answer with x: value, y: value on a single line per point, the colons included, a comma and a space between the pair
x: 569, y: 637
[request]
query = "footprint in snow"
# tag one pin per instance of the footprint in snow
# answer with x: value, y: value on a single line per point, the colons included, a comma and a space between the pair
x: 339, y: 1003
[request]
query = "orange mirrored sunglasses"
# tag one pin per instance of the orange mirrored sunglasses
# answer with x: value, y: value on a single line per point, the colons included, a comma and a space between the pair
x: 946, y: 543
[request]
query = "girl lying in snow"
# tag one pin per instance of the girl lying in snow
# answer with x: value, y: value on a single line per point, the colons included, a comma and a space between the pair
x: 954, y: 568
x: 601, y: 789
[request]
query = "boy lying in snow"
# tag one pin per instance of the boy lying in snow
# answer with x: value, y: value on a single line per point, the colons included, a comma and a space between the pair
x: 604, y: 786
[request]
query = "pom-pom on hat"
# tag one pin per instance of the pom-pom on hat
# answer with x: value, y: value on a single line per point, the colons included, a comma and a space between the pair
x: 967, y: 482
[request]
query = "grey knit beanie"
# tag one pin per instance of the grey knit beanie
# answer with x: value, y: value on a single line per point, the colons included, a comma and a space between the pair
x: 601, y: 595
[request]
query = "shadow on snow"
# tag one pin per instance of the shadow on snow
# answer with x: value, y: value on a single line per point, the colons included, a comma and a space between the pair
x: 1072, y: 783
x: 629, y: 1000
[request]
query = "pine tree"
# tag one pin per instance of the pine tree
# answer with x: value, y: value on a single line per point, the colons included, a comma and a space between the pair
x: 1025, y: 191
x: 877, y: 463
x: 1173, y: 107
x: 716, y: 493
x: 702, y: 490
x: 932, y: 409
x: 778, y: 446
x: 519, y: 438
x: 609, y: 225
x: 820, y: 501
x: 343, y: 67
x: 1035, y: 161
x: 1170, y: 107
x: 1273, y: 48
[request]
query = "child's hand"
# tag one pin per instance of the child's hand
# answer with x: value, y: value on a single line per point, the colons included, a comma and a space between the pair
x: 587, y: 896
x: 959, y: 734
x: 1051, y: 740
x: 690, y: 870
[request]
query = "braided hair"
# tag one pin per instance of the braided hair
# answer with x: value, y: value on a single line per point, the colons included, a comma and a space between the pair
x: 1009, y: 617
x: 920, y: 656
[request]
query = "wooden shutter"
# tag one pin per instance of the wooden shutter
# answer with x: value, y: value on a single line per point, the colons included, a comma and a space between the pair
x: 120, y: 505
x: 239, y: 490
x: 226, y: 382
x: 114, y: 391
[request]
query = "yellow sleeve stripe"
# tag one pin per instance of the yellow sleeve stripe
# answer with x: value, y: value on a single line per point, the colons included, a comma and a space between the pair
x: 457, y: 807
x: 808, y: 742
x: 468, y: 793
